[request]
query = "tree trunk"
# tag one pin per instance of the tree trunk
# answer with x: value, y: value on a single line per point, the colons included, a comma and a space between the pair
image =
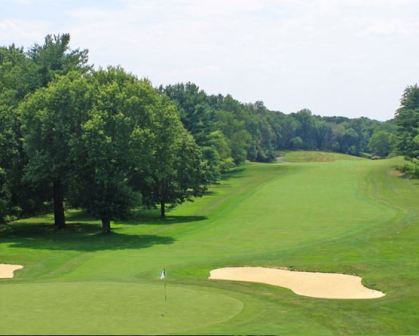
x: 106, y: 225
x: 162, y: 210
x: 58, y: 195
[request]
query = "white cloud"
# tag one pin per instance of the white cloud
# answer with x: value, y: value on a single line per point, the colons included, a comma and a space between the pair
x: 397, y: 27
x: 23, y: 32
x: 350, y: 57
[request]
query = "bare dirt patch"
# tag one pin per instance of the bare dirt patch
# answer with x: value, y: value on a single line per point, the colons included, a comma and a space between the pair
x: 312, y: 284
x: 396, y: 172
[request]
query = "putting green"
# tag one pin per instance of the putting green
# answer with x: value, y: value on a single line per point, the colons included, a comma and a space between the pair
x: 91, y: 307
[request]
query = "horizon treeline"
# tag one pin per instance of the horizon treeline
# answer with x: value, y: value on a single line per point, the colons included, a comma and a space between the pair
x: 253, y: 132
x: 105, y: 141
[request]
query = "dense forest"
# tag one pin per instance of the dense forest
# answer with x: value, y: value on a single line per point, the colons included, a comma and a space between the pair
x: 105, y: 141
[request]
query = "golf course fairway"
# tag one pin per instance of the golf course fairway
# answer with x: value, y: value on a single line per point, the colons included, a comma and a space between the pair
x: 311, y: 211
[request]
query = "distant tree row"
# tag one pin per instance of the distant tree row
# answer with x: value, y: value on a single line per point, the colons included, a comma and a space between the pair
x: 232, y: 132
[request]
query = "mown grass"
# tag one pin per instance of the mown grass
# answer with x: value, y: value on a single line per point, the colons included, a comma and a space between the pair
x: 338, y: 215
x: 315, y: 156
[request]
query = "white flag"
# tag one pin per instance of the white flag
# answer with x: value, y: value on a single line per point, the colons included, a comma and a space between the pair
x: 163, y: 275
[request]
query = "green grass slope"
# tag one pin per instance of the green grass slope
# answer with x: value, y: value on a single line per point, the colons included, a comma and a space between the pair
x: 342, y: 215
x: 315, y: 156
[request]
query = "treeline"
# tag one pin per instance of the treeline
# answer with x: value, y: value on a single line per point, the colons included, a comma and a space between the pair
x: 105, y: 141
x: 407, y: 120
x: 233, y: 132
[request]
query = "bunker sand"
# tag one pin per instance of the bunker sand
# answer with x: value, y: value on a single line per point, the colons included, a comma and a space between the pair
x: 6, y: 270
x: 312, y: 284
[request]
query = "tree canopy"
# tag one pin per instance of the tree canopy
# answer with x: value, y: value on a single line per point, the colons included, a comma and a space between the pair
x: 105, y: 141
x: 407, y: 120
x: 381, y: 143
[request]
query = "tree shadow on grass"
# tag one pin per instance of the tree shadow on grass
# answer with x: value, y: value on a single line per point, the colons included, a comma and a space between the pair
x: 144, y: 219
x: 76, y: 237
x: 137, y: 217
x: 233, y: 173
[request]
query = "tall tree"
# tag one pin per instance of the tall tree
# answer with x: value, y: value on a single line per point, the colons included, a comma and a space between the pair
x: 407, y: 120
x: 102, y: 187
x: 55, y: 57
x: 176, y: 170
x: 116, y: 143
x: 52, y: 120
x: 51, y: 59
x: 17, y: 79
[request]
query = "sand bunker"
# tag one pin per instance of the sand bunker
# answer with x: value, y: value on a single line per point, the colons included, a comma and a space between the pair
x: 6, y: 271
x: 313, y: 284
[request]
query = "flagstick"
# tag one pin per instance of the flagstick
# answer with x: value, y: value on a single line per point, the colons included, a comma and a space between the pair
x: 165, y: 292
x: 163, y: 277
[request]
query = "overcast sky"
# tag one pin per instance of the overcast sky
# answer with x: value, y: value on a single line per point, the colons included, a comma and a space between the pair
x: 335, y: 57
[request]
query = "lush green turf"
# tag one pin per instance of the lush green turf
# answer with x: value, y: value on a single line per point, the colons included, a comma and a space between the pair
x: 315, y: 156
x: 339, y: 215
